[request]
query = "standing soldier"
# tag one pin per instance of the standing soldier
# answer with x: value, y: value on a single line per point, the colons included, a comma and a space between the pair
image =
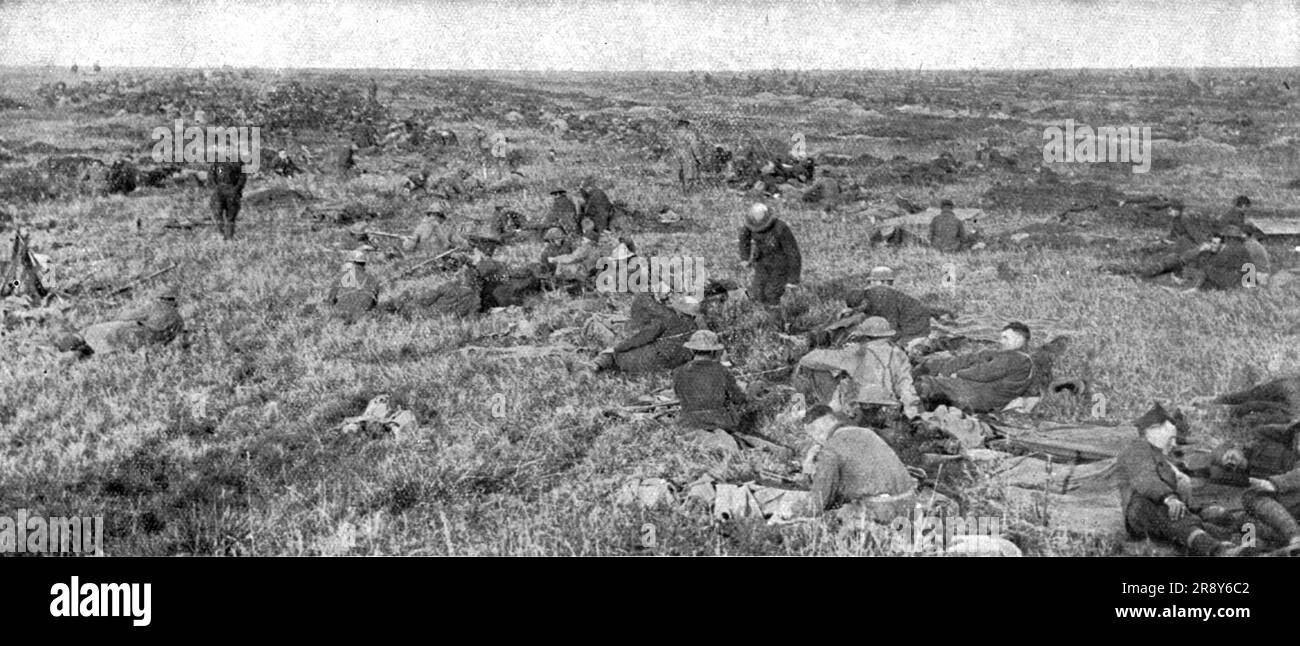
x: 228, y: 179
x: 768, y: 244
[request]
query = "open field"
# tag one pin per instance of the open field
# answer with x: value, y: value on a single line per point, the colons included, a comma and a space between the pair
x: 262, y: 468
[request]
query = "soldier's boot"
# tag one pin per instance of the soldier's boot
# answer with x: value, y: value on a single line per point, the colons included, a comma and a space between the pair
x: 1275, y: 515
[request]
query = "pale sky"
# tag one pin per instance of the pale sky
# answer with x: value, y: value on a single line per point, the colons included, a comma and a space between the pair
x: 667, y: 35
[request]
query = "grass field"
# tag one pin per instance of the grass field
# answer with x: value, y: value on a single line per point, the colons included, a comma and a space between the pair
x: 262, y: 468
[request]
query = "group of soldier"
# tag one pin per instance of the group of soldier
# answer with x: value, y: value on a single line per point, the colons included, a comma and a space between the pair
x: 870, y: 373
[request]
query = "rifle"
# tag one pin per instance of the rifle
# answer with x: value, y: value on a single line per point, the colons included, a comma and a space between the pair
x: 410, y: 270
x: 137, y: 281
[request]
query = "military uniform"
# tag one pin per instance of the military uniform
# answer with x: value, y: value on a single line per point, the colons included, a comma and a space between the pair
x: 881, y: 375
x: 1146, y: 480
x: 776, y: 258
x: 710, y: 397
x: 228, y: 181
x: 658, y: 334
x: 354, y: 293
x: 910, y: 317
x: 563, y: 214
x: 1223, y: 270
x: 430, y: 236
x: 854, y: 465
x: 948, y: 234
x: 598, y: 208
x: 980, y: 382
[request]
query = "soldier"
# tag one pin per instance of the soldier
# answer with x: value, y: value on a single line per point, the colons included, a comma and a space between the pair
x: 597, y: 207
x: 1275, y: 498
x: 852, y: 466
x: 880, y: 372
x: 1259, y: 258
x: 1227, y: 268
x: 910, y: 317
x: 1154, y: 493
x: 983, y: 381
x: 122, y: 176
x: 769, y: 246
x: 283, y: 165
x: 563, y: 213
x: 228, y: 179
x: 430, y: 236
x: 343, y: 159
x: 556, y: 245
x: 580, y: 263
x: 355, y: 292
x: 658, y: 332
x: 160, y: 322
x: 947, y: 232
x: 710, y: 397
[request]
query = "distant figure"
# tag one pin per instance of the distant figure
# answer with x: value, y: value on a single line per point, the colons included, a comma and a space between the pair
x: 430, y: 236
x: 355, y: 292
x: 283, y: 165
x: 122, y: 176
x: 947, y: 233
x: 228, y: 179
x: 597, y: 207
x: 768, y: 244
x: 563, y: 213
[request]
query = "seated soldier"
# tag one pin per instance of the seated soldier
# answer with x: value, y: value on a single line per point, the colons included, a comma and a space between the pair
x: 658, y: 332
x: 983, y: 381
x: 556, y: 245
x: 1227, y: 267
x: 910, y: 317
x: 431, y: 236
x: 1270, y: 465
x: 710, y: 397
x: 283, y: 165
x: 1154, y: 493
x: 881, y: 386
x: 355, y: 292
x: 580, y: 263
x: 948, y: 233
x: 854, y: 467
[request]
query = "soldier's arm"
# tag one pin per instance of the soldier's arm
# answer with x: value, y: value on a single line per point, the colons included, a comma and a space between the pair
x: 734, y: 394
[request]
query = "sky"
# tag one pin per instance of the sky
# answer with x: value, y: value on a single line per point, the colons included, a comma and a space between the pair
x: 682, y: 35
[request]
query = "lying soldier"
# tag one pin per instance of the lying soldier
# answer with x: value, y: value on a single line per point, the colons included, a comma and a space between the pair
x: 909, y: 316
x: 658, y: 332
x: 983, y: 381
x: 710, y: 398
x: 159, y: 323
x: 1154, y: 493
x: 1269, y: 464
